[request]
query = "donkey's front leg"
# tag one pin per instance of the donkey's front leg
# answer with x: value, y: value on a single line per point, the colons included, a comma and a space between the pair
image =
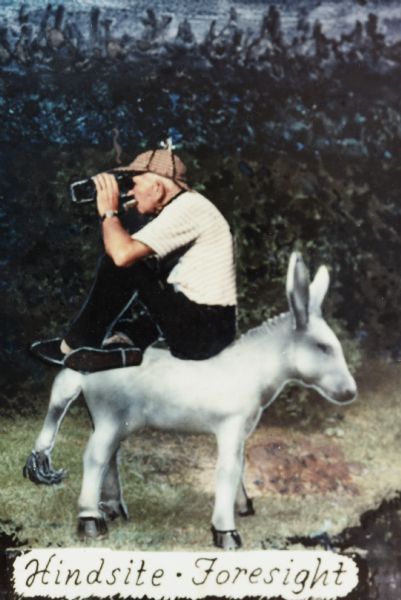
x: 38, y: 468
x: 230, y: 441
x: 101, y: 448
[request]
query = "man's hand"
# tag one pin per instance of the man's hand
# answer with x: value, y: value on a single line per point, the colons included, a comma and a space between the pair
x: 107, y: 194
x: 123, y: 249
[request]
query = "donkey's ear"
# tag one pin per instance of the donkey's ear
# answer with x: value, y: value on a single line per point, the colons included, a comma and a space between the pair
x: 318, y: 289
x: 298, y: 291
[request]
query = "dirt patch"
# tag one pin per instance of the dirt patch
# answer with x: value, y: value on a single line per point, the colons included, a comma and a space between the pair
x: 301, y: 466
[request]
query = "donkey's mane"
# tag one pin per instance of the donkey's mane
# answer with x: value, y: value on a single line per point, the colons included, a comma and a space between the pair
x: 265, y: 328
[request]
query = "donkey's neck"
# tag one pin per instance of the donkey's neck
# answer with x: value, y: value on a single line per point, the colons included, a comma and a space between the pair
x: 266, y: 357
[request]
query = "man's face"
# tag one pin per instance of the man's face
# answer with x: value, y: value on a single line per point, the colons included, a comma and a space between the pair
x: 147, y: 193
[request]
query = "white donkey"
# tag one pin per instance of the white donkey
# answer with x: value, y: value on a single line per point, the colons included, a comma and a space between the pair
x: 224, y: 395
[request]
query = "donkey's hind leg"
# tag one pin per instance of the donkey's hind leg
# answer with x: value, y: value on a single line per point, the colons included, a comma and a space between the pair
x: 38, y: 468
x: 243, y: 503
x: 111, y: 499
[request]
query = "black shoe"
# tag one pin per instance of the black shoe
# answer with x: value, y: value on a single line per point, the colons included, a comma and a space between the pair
x: 49, y: 351
x: 91, y: 360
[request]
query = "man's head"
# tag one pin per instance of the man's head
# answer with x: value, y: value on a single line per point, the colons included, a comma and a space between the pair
x: 160, y: 175
x: 152, y: 192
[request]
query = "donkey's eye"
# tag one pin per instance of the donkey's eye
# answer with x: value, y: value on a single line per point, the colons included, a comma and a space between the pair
x: 324, y: 348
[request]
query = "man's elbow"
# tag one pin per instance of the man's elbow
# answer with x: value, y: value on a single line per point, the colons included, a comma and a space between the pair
x: 122, y: 259
x: 125, y: 255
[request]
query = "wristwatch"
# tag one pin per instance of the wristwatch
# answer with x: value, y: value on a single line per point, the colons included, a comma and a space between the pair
x: 110, y: 213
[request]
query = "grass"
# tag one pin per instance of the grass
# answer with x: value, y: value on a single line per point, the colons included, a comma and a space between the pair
x: 168, y: 477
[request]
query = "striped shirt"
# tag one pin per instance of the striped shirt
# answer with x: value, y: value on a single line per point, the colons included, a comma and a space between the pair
x: 205, y: 272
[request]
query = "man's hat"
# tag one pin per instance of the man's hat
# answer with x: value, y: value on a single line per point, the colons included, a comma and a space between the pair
x: 161, y: 162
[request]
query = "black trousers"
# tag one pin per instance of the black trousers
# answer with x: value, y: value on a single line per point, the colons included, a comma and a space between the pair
x: 191, y: 331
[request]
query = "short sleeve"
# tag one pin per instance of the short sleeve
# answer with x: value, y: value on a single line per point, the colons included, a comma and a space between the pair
x: 175, y: 227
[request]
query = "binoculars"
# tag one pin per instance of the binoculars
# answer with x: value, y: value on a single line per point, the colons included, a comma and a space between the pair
x: 85, y: 191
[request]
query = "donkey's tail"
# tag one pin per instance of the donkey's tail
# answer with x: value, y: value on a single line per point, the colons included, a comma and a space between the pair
x: 66, y: 388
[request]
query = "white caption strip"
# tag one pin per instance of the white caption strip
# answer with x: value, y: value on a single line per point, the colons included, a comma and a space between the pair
x: 84, y: 572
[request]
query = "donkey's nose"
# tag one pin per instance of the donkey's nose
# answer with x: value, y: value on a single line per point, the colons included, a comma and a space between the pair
x: 348, y: 394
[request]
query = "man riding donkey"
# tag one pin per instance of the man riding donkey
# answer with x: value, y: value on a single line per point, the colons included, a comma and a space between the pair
x: 179, y: 266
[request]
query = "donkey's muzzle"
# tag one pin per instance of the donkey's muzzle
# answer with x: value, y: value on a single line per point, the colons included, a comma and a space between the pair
x: 349, y: 395
x: 346, y: 396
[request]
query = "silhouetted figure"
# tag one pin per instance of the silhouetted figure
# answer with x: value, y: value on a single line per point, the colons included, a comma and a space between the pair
x: 357, y: 33
x: 23, y: 15
x: 94, y: 26
x: 321, y: 42
x: 376, y: 38
x: 114, y: 48
x: 231, y: 33
x: 75, y: 37
x: 150, y: 20
x: 225, y: 44
x: 271, y: 25
x: 39, y: 39
x: 22, y: 49
x: 45, y: 18
x: 154, y: 26
x: 154, y: 30
x: 210, y: 34
x: 50, y: 37
x: 185, y: 40
x: 106, y: 36
x: 185, y: 33
x: 59, y: 17
x: 371, y: 26
x: 5, y: 47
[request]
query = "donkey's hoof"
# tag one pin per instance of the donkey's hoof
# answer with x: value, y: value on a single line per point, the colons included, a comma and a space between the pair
x: 113, y: 510
x: 228, y: 540
x: 39, y: 470
x: 248, y: 511
x: 92, y: 528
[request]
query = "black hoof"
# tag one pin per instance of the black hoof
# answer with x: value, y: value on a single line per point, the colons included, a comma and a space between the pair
x: 39, y: 470
x: 113, y: 511
x: 92, y: 528
x: 248, y: 511
x: 228, y: 540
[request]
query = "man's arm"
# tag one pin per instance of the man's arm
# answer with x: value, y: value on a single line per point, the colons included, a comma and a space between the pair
x: 119, y: 245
